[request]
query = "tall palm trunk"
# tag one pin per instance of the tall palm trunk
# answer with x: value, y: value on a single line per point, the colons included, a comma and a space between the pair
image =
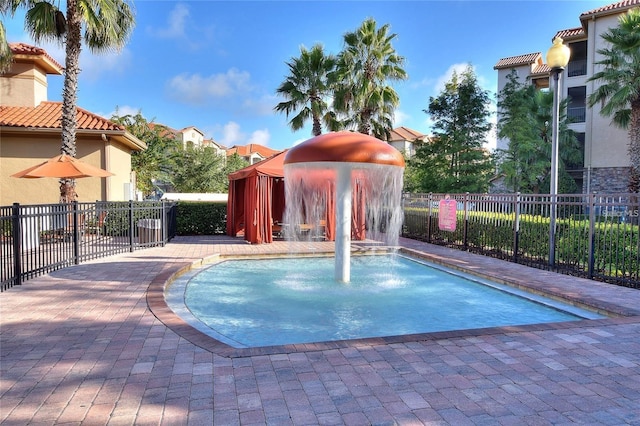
x: 69, y: 94
x: 317, y: 126
x: 634, y: 146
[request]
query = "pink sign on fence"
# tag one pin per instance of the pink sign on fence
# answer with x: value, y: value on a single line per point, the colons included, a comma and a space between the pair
x: 447, y: 215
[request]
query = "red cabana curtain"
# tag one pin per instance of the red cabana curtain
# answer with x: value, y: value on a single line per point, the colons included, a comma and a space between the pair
x: 231, y: 208
x: 235, y: 207
x: 258, y: 206
x: 278, y: 200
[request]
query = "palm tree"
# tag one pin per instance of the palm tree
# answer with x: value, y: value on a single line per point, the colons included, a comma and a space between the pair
x: 107, y: 25
x: 366, y: 64
x: 619, y: 91
x: 525, y: 119
x: 306, y: 89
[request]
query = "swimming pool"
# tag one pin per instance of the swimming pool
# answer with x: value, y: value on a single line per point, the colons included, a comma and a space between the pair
x: 277, y: 301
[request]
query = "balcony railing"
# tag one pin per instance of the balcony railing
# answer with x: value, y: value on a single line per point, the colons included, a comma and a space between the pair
x: 576, y: 114
x: 577, y: 67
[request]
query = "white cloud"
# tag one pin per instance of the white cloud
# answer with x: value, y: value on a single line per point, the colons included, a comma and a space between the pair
x: 260, y: 137
x: 417, y: 84
x: 176, y: 21
x: 399, y: 118
x: 262, y: 105
x: 123, y: 110
x: 93, y: 66
x: 231, y: 134
x: 446, y: 77
x: 196, y: 89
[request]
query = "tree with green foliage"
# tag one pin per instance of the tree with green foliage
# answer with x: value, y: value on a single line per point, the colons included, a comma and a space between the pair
x: 234, y: 162
x: 194, y: 169
x: 619, y: 79
x: 525, y: 119
x: 199, y: 169
x: 365, y: 67
x: 107, y: 25
x: 307, y: 89
x: 454, y: 160
x: 156, y: 162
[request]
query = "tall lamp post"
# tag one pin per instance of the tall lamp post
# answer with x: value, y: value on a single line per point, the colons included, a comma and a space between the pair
x: 557, y: 60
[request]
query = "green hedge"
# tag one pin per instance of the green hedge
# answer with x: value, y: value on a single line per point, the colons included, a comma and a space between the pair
x: 198, y: 218
x: 616, y: 245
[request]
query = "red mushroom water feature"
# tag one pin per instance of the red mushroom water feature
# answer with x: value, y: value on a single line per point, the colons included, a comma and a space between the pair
x: 320, y: 176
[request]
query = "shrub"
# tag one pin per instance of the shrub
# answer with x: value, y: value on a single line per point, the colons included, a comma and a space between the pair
x: 198, y: 218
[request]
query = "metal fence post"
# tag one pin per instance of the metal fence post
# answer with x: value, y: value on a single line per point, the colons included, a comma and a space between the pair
x: 17, y: 243
x: 163, y: 223
x: 465, y: 236
x: 131, y: 228
x: 430, y: 201
x: 76, y: 233
x: 516, y: 227
x: 592, y: 236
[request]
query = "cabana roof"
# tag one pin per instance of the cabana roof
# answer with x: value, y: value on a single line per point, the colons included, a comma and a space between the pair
x: 272, y: 166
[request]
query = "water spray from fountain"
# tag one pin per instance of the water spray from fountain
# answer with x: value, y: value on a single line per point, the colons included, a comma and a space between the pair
x: 345, y: 181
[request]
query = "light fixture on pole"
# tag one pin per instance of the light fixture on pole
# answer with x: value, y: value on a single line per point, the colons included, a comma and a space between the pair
x: 557, y: 60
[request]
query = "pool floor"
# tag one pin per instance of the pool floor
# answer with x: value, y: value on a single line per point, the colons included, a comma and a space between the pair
x: 282, y: 301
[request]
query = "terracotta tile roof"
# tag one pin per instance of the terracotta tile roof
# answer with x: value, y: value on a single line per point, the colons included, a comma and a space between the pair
x: 165, y: 131
x: 191, y: 128
x: 247, y: 150
x: 610, y: 9
x: 48, y: 115
x: 570, y: 33
x: 512, y: 61
x: 404, y: 134
x: 211, y: 142
x: 27, y: 50
x: 541, y: 69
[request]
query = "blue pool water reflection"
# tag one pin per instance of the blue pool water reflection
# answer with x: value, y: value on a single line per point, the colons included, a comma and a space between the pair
x: 251, y: 303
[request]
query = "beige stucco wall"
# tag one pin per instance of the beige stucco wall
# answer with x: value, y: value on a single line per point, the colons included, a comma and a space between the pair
x: 18, y: 155
x: 27, y: 87
x: 606, y: 144
x: 118, y: 161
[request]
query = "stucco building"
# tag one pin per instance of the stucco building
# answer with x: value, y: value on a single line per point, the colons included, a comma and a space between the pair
x: 30, y: 133
x: 406, y: 140
x: 252, y: 153
x: 605, y: 166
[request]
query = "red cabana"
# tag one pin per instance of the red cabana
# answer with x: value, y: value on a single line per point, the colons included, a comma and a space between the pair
x: 256, y: 199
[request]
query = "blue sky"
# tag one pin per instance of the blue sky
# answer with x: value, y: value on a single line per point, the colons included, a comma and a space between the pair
x: 216, y: 65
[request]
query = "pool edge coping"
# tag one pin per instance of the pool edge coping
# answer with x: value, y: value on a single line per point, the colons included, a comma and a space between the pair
x: 155, y: 296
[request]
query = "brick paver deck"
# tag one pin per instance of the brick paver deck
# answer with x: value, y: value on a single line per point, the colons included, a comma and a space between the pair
x: 94, y: 344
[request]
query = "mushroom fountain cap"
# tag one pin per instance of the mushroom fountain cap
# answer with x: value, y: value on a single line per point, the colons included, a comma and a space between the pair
x: 345, y: 147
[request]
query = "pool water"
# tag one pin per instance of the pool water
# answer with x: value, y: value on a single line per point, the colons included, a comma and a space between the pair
x: 252, y: 303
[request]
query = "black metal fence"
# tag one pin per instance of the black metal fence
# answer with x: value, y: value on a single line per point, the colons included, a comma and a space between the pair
x: 596, y: 236
x: 37, y: 239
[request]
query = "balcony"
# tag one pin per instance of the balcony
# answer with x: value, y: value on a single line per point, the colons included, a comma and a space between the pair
x: 576, y: 114
x: 577, y: 67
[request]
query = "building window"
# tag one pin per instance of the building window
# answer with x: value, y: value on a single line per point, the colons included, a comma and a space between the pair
x: 575, y: 168
x: 578, y: 62
x: 577, y: 104
x: 577, y: 163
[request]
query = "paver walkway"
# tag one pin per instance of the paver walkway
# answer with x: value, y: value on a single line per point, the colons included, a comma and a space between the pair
x: 82, y: 346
